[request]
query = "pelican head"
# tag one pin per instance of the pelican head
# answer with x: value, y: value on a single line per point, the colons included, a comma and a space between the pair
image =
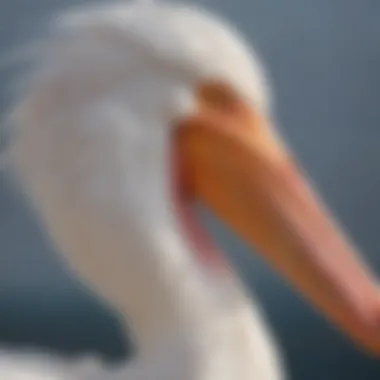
x: 137, y: 112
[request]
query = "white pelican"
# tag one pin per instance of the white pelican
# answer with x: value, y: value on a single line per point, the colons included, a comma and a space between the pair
x: 136, y: 111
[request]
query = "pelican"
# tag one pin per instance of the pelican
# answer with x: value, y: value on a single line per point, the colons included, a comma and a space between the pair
x: 134, y: 114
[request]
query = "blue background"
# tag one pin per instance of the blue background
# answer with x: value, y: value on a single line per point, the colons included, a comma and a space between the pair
x: 323, y: 58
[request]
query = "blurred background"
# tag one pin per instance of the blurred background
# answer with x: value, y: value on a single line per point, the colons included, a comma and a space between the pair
x: 323, y: 58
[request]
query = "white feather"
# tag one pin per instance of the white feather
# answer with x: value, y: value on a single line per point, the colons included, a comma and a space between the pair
x: 31, y: 365
x: 90, y: 144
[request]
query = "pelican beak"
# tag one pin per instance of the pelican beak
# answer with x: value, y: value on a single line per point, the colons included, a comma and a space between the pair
x: 237, y: 165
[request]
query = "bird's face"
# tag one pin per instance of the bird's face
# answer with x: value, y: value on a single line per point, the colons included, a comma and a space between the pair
x: 227, y: 154
x: 223, y: 150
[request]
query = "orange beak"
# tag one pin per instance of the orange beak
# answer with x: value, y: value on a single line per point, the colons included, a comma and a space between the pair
x: 236, y: 164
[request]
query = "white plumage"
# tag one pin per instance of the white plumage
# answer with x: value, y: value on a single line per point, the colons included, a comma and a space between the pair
x: 31, y: 365
x: 99, y: 110
x: 91, y: 145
